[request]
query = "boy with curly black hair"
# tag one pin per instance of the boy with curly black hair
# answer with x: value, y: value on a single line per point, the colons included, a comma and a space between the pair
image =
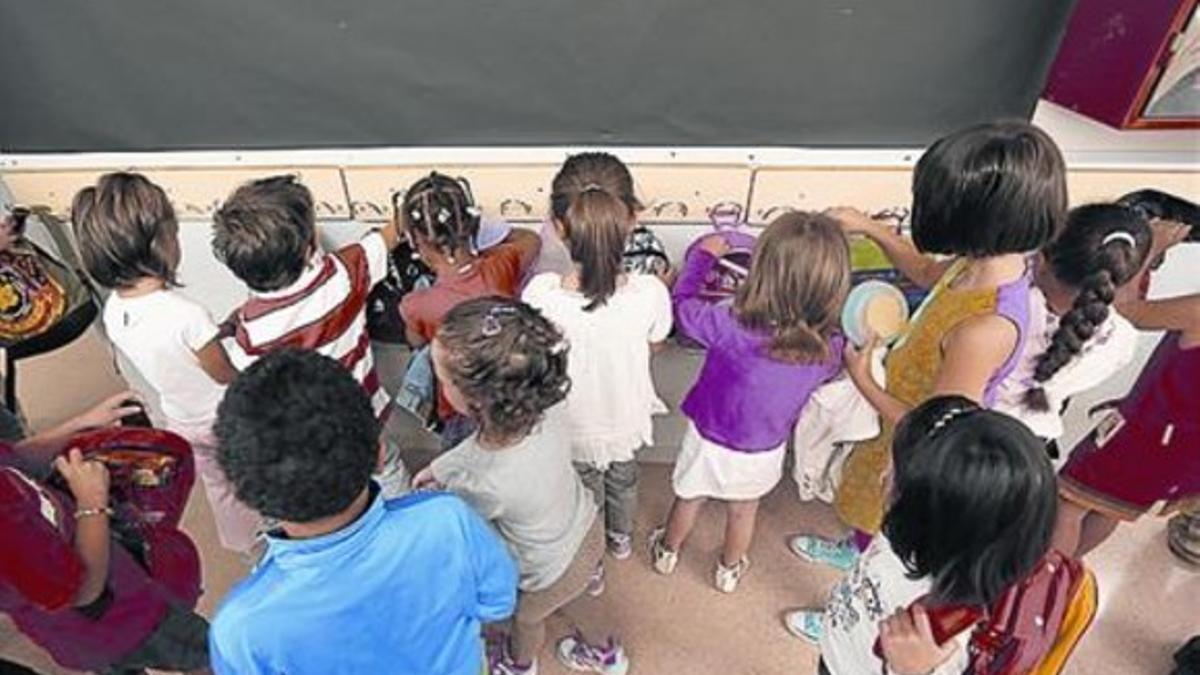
x: 350, y: 582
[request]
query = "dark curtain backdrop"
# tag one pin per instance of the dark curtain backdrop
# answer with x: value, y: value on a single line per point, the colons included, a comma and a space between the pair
x: 82, y: 75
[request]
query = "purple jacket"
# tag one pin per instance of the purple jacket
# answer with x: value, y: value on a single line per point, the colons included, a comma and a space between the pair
x: 744, y: 399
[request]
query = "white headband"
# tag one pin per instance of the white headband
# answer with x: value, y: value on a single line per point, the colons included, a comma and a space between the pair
x: 1120, y: 236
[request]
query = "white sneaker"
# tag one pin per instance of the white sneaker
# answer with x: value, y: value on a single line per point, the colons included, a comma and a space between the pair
x: 726, y: 578
x: 662, y: 558
x: 574, y: 653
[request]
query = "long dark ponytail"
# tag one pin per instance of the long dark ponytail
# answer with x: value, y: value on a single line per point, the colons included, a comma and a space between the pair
x: 1102, y: 248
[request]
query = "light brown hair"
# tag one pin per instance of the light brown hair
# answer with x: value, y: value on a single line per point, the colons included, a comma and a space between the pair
x: 126, y: 230
x: 595, y: 229
x: 799, y: 278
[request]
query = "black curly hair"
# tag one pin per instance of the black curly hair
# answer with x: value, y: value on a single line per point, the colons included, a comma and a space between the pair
x: 297, y: 437
x: 441, y: 211
x: 1102, y: 248
x: 509, y: 362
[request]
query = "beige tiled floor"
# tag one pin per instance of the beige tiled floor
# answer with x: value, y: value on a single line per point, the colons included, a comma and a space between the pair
x: 1149, y: 602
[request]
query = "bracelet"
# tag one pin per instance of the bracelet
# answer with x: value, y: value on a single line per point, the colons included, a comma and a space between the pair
x: 87, y: 513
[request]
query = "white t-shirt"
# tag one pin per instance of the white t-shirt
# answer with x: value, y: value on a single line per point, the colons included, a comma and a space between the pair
x: 612, y: 398
x: 1110, y: 350
x: 876, y: 588
x: 160, y: 334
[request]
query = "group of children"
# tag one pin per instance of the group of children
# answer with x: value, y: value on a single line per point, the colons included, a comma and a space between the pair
x: 545, y: 395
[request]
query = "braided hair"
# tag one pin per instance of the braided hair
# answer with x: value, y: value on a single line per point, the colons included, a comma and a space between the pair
x: 509, y: 362
x: 441, y: 211
x: 1102, y: 248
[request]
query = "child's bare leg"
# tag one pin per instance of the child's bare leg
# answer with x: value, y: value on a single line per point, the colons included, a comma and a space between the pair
x: 739, y: 530
x: 681, y: 520
x: 1097, y: 527
x: 528, y: 637
x: 1068, y: 526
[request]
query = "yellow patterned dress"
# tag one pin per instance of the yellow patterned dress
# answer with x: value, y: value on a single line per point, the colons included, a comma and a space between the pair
x: 912, y: 368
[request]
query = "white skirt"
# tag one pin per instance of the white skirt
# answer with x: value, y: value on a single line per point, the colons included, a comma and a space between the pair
x: 707, y: 469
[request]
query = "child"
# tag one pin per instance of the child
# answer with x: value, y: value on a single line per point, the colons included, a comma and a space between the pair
x: 766, y: 354
x: 440, y: 219
x: 129, y: 243
x: 65, y: 579
x: 960, y: 546
x: 988, y: 196
x: 505, y: 366
x: 643, y: 253
x: 1078, y: 276
x: 611, y: 320
x: 351, y: 582
x: 1145, y: 454
x: 300, y: 296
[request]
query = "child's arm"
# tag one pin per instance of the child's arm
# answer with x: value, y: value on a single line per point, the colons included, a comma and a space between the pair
x: 214, y: 360
x: 971, y: 354
x: 1180, y: 313
x: 699, y: 320
x: 909, y: 647
x: 923, y: 270
x: 35, y: 454
x: 88, y: 482
x: 528, y: 245
x: 495, y: 572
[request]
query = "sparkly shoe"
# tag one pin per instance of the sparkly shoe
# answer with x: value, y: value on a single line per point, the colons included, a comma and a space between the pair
x: 620, y: 545
x: 500, y: 660
x: 840, y: 555
x: 574, y: 653
x: 806, y: 624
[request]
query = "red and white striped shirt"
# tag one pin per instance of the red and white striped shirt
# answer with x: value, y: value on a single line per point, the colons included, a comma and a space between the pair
x: 323, y: 310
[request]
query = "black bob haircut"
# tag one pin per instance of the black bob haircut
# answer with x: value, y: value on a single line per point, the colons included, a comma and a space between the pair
x: 976, y: 500
x: 265, y: 232
x: 988, y: 190
x: 297, y: 437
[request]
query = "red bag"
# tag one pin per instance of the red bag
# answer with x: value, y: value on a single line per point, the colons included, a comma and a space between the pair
x: 1019, y: 633
x: 1023, y: 626
x: 151, y: 477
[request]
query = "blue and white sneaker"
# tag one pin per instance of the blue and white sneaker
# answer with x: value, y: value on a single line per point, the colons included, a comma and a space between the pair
x: 840, y: 555
x: 806, y: 624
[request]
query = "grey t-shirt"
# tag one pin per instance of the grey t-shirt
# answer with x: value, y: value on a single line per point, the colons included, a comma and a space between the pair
x: 530, y: 492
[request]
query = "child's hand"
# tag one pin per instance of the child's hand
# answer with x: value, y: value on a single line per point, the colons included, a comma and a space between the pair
x: 858, y: 360
x: 1167, y: 233
x: 87, y: 480
x: 908, y: 646
x: 715, y: 245
x: 425, y: 480
x: 108, y: 412
x: 852, y: 220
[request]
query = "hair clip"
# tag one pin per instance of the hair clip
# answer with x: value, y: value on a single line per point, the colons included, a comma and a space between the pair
x: 491, y: 325
x: 592, y: 187
x: 474, y: 211
x: 946, y: 419
x: 1119, y: 235
x: 560, y: 347
x: 443, y: 216
x: 416, y: 215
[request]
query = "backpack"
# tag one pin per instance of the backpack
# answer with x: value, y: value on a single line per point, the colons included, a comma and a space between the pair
x: 406, y: 273
x: 1032, y: 629
x: 151, y: 473
x: 46, y: 301
x: 645, y: 253
x: 723, y: 281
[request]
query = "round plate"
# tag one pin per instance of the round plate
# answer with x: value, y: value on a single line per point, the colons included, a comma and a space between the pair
x: 855, y: 310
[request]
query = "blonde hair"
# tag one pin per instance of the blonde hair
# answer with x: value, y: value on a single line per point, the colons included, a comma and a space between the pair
x: 799, y: 278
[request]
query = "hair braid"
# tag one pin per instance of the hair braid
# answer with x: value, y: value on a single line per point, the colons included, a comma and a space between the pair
x: 1090, y: 258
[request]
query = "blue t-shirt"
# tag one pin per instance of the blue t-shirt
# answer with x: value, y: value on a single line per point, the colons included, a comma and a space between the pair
x: 403, y: 589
